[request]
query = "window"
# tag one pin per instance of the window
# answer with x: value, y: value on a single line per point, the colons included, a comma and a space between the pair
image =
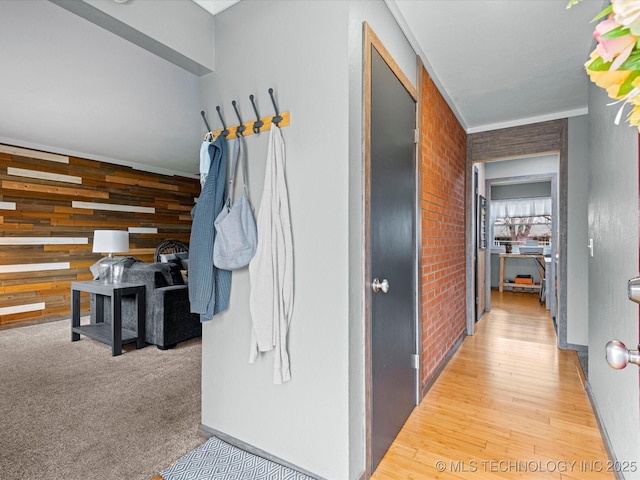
x: 520, y: 230
x: 521, y: 221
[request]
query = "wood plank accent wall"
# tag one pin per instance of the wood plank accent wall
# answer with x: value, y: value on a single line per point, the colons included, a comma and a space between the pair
x: 49, y: 207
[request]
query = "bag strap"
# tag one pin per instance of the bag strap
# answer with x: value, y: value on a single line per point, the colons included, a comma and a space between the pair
x: 232, y: 172
x: 243, y: 163
x: 238, y: 154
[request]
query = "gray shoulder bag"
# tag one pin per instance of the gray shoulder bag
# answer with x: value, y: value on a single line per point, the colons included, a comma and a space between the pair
x: 236, y: 233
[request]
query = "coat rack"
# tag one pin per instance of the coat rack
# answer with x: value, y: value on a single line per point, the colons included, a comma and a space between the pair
x: 248, y: 128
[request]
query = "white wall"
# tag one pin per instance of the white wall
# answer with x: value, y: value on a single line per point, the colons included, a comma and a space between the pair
x: 613, y: 225
x: 315, y: 421
x: 180, y: 26
x: 577, y: 232
x: 305, y: 421
x: 71, y: 87
x: 538, y: 165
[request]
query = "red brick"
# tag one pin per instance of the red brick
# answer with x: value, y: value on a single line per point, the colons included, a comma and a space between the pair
x: 443, y: 166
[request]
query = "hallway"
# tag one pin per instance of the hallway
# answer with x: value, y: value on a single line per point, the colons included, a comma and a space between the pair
x: 508, y: 405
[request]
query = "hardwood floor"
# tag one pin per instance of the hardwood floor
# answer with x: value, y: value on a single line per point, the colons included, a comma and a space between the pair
x: 508, y: 405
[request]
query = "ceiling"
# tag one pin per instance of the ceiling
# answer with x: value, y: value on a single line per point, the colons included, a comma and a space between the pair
x: 498, y: 63
x: 215, y: 6
x: 501, y: 63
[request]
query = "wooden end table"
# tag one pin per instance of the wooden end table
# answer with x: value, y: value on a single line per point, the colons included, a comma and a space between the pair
x: 113, y: 334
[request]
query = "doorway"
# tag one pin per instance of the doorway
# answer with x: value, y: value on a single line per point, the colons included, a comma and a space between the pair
x: 391, y: 252
x: 523, y: 214
x: 527, y: 140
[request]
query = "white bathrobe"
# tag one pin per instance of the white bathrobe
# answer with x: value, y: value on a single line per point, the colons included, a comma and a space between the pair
x: 271, y: 269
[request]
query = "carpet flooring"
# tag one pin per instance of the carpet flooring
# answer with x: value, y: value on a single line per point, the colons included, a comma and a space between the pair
x: 69, y: 410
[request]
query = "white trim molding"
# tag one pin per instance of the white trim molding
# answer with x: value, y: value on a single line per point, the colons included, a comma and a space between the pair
x: 529, y: 120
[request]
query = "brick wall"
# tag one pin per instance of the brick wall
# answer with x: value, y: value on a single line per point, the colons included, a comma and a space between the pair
x: 443, y: 163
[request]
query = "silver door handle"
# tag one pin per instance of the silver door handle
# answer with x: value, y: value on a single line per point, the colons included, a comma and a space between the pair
x: 633, y: 289
x: 619, y: 356
x: 378, y: 285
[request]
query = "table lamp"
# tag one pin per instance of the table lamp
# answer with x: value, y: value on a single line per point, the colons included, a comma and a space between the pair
x: 110, y: 241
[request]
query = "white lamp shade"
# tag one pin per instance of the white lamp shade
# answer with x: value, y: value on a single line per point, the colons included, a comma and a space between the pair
x: 110, y: 241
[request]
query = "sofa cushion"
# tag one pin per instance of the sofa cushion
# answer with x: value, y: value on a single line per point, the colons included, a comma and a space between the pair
x: 168, y: 319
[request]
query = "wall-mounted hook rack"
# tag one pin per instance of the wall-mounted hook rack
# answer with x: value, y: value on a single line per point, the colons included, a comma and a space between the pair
x: 240, y: 128
x: 249, y: 126
x: 258, y: 123
x: 205, y: 120
x: 280, y: 119
x: 225, y: 131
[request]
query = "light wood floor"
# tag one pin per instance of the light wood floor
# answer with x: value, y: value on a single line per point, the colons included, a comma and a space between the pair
x: 508, y: 405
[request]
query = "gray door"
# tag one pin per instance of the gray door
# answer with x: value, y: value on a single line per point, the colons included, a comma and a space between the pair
x: 392, y: 234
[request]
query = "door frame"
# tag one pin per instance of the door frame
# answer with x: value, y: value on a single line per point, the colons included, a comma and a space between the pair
x: 555, y: 234
x: 371, y: 40
x: 523, y: 141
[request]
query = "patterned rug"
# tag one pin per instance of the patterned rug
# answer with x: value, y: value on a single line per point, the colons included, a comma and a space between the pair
x: 218, y: 460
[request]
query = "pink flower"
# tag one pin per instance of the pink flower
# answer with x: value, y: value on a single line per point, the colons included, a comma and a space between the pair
x: 618, y: 48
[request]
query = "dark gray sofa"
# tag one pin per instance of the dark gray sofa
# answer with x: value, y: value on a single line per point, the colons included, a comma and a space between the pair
x: 168, y: 317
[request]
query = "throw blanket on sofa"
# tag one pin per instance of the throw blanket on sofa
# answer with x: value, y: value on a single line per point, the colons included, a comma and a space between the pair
x: 209, y: 287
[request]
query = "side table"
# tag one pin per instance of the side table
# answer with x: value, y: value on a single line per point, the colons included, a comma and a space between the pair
x: 113, y: 334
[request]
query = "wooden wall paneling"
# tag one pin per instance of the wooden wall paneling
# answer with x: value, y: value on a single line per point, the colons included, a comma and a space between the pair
x: 35, y: 154
x: 52, y: 190
x: 529, y: 140
x: 37, y: 203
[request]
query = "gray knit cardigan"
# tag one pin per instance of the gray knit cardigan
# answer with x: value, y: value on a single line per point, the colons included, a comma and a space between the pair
x: 209, y: 287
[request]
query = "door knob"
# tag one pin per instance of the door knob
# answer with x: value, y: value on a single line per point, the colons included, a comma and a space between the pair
x: 378, y: 285
x: 619, y: 356
x: 633, y: 289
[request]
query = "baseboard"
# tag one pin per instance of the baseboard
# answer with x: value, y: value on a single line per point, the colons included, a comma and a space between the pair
x: 579, y: 368
x: 212, y: 432
x: 577, y: 348
x: 443, y: 364
x: 603, y: 432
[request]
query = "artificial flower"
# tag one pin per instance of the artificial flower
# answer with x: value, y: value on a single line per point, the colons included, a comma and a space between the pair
x: 616, y: 49
x: 627, y: 13
x: 614, y: 65
x: 634, y: 117
x: 609, y: 80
